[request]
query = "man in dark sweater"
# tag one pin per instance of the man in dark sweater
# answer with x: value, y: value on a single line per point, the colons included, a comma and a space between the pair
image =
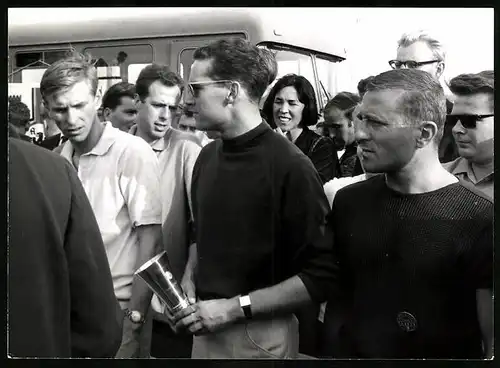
x: 414, y: 245
x: 260, y: 214
x: 60, y: 295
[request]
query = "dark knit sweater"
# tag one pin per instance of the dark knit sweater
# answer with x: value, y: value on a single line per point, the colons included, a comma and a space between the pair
x: 260, y: 215
x: 321, y: 152
x: 425, y: 254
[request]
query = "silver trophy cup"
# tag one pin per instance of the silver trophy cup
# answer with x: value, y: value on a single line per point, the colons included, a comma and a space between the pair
x: 156, y: 273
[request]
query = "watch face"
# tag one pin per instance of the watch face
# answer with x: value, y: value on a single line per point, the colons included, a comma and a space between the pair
x: 135, y: 316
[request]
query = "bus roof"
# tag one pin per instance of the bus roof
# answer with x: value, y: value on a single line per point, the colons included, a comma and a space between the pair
x: 164, y: 22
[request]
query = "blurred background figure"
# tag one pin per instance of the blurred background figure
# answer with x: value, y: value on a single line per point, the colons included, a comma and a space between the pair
x: 19, y: 117
x: 53, y: 135
x: 339, y: 126
x: 362, y: 85
x: 187, y: 123
x: 118, y: 106
x: 61, y: 298
x: 290, y: 109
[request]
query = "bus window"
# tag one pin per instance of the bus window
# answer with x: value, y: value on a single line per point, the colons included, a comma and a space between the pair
x: 291, y: 62
x: 121, y: 57
x: 32, y: 75
x: 185, y: 62
x: 134, y: 71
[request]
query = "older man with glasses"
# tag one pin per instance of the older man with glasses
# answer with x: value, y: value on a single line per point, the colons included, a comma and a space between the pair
x: 420, y: 50
x: 473, y: 128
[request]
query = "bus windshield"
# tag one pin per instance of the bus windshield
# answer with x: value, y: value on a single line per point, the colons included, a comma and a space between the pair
x: 303, y: 62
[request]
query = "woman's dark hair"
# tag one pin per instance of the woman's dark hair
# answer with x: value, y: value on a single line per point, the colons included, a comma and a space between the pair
x: 305, y: 92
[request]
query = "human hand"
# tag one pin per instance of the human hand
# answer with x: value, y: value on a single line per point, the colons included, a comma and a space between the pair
x: 209, y: 316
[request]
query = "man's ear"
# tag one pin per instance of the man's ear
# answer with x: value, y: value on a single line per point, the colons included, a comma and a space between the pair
x: 428, y: 131
x: 106, y: 113
x: 233, y: 93
x: 440, y: 69
x: 137, y: 100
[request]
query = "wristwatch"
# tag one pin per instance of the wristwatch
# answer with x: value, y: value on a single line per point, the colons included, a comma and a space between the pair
x: 246, y: 305
x: 134, y: 316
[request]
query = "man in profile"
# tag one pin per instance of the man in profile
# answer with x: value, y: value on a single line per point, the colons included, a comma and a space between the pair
x: 61, y: 301
x: 416, y: 282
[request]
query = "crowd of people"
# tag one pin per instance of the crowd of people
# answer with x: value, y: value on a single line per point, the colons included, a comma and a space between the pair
x: 367, y: 235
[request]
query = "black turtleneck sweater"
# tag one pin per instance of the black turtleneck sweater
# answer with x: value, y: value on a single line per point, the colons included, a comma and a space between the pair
x: 260, y: 214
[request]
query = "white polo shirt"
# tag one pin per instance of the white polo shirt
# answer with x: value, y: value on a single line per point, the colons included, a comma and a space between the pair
x: 121, y: 177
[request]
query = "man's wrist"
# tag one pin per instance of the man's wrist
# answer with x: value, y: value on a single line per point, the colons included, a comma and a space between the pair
x: 236, y: 313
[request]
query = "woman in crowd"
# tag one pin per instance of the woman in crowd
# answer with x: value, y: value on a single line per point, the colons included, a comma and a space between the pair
x: 291, y: 109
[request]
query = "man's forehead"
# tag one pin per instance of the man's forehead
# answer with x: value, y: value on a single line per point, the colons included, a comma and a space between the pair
x: 417, y: 51
x: 384, y: 97
x: 78, y: 92
x: 476, y: 103
x: 162, y: 93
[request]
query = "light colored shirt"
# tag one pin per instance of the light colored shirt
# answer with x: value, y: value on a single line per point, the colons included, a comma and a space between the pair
x: 462, y: 169
x: 121, y: 178
x: 177, y: 153
x: 333, y: 186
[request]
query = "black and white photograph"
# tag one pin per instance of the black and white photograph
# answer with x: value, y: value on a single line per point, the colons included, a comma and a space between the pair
x: 248, y: 183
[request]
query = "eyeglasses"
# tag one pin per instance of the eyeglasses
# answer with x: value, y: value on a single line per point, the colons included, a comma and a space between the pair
x: 195, y: 87
x: 468, y: 121
x: 410, y: 64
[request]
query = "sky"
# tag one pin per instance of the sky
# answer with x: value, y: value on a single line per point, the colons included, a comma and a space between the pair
x: 369, y: 34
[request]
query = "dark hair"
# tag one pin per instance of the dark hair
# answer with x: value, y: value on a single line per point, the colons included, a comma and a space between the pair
x: 362, y: 85
x: 305, y: 92
x: 237, y: 59
x: 153, y: 73
x: 470, y: 84
x: 423, y: 98
x: 66, y: 72
x: 18, y: 113
x: 345, y: 102
x: 112, y: 97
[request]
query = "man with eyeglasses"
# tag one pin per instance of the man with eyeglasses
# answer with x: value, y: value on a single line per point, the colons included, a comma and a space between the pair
x: 420, y: 50
x: 473, y: 128
x: 158, y: 94
x: 260, y: 213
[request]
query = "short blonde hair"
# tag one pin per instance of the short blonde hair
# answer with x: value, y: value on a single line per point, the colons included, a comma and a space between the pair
x: 436, y: 46
x: 64, y: 73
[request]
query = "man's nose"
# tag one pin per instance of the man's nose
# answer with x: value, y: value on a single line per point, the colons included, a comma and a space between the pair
x: 360, y: 133
x: 458, y: 128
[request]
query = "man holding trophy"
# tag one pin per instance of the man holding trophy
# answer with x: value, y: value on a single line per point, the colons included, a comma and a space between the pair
x: 260, y: 214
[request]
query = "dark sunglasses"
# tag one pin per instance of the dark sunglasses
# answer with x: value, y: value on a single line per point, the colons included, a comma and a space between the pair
x: 410, y: 64
x: 468, y: 121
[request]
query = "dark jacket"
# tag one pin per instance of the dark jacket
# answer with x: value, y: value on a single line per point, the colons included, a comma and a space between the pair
x: 321, y: 152
x: 61, y: 298
x: 448, y: 150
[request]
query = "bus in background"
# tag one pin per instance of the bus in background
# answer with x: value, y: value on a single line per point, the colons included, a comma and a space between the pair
x: 122, y: 47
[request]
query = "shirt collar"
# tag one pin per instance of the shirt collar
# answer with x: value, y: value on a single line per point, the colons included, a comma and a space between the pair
x: 107, y: 139
x: 160, y: 144
x: 463, y: 166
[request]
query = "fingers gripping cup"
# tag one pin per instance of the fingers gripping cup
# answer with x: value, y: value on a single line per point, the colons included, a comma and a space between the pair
x: 156, y: 273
